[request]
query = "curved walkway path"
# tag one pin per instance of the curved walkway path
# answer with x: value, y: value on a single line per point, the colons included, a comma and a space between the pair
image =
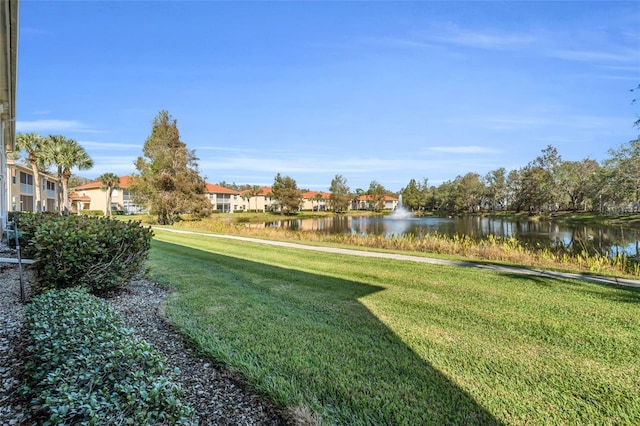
x: 410, y: 258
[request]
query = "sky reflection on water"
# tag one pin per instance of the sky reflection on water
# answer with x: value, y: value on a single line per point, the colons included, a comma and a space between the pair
x: 603, y: 239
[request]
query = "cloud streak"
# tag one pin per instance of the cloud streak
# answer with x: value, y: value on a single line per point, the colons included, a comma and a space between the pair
x: 93, y: 145
x: 51, y: 126
x: 471, y: 149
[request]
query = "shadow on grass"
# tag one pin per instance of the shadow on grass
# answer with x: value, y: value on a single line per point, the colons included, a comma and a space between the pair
x: 611, y: 292
x: 309, y: 334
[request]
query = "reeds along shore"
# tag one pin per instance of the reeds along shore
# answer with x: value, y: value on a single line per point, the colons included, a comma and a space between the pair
x: 492, y: 248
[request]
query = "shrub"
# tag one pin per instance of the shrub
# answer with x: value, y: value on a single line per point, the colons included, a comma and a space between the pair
x: 98, y: 253
x: 84, y: 367
x: 91, y: 213
x: 27, y: 224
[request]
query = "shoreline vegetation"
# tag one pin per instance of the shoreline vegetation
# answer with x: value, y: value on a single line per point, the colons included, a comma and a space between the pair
x: 505, y: 251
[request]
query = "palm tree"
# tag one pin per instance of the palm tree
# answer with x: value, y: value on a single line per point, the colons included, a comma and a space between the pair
x: 247, y: 197
x: 51, y: 152
x: 33, y: 144
x: 67, y: 154
x: 110, y: 181
x: 317, y: 197
x: 254, y: 191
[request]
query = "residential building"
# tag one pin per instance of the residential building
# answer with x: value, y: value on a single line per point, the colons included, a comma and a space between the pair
x: 224, y: 200
x: 21, y: 189
x: 90, y: 197
x: 366, y: 202
x: 261, y: 202
x: 315, y: 200
x: 8, y: 79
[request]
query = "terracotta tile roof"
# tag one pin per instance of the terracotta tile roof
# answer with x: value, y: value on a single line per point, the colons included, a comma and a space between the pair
x: 74, y: 196
x: 311, y: 194
x: 125, y: 181
x: 266, y: 190
x: 217, y: 189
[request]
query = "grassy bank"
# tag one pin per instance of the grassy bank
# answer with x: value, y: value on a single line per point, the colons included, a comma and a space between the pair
x: 374, y: 341
x: 506, y: 251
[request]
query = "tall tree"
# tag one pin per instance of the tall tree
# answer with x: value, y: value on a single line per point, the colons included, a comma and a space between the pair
x: 496, y: 181
x: 575, y: 179
x: 109, y: 182
x: 357, y: 195
x: 444, y: 196
x: 285, y: 191
x: 317, y: 197
x: 51, y: 152
x: 169, y: 180
x: 469, y: 192
x: 33, y: 144
x: 537, y: 186
x: 411, y: 195
x: 624, y: 172
x: 376, y: 195
x: 340, y: 197
x: 247, y: 197
x: 514, y: 189
x: 66, y: 154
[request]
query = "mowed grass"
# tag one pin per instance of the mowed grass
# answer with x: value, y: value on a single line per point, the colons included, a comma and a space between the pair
x: 371, y: 341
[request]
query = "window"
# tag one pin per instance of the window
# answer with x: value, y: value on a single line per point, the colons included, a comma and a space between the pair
x: 26, y: 179
x: 26, y: 203
x: 26, y: 185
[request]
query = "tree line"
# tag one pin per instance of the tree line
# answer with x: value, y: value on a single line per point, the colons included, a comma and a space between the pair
x: 545, y: 184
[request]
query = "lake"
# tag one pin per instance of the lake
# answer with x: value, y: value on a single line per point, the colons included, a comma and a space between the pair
x: 612, y: 239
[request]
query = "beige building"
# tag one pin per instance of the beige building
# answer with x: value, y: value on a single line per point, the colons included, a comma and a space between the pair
x: 224, y: 200
x: 261, y: 202
x: 366, y: 202
x: 91, y: 197
x: 21, y: 189
x: 315, y: 200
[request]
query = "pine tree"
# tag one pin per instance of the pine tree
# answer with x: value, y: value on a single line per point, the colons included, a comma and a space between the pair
x: 169, y: 181
x: 285, y: 191
x: 340, y: 197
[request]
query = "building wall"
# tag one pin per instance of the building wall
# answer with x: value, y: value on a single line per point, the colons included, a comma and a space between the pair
x: 262, y: 202
x: 21, y: 190
x: 99, y: 198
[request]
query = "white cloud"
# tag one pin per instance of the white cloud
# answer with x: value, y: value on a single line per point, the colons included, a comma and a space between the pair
x: 93, y: 145
x: 621, y: 55
x: 470, y: 149
x: 51, y: 126
x: 483, y: 40
x: 120, y: 165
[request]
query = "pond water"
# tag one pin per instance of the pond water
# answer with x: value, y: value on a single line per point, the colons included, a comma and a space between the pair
x: 603, y: 239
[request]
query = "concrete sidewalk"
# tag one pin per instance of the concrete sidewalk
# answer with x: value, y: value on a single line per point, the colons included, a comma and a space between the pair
x: 420, y: 259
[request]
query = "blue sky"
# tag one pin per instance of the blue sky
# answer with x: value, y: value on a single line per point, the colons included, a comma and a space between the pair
x: 385, y: 91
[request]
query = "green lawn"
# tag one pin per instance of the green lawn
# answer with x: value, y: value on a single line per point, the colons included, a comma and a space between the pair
x: 373, y: 341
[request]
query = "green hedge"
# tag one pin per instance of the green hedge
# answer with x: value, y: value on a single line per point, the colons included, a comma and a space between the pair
x: 91, y: 212
x: 27, y: 223
x: 95, y: 252
x: 85, y: 368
